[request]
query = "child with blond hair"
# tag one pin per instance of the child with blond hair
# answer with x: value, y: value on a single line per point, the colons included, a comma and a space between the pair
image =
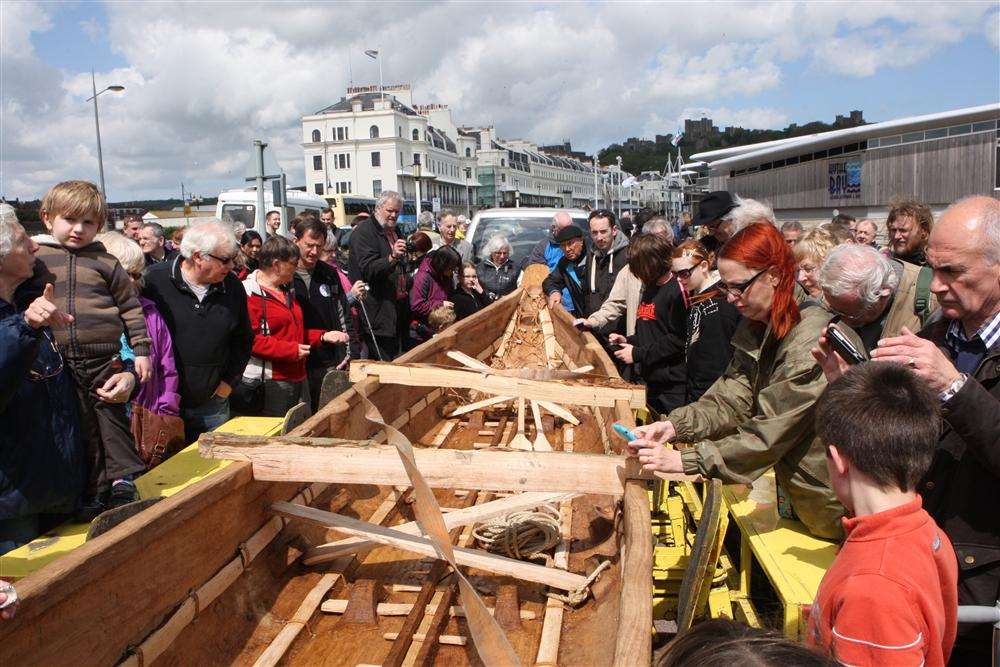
x: 90, y: 285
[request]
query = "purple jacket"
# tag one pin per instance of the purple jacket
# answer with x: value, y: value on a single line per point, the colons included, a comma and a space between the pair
x: 427, y: 293
x: 159, y: 394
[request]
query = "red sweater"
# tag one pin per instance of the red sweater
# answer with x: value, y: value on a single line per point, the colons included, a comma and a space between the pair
x: 891, y: 595
x: 278, y: 345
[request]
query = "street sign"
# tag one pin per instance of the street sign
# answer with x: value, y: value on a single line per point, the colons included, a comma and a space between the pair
x: 272, y: 169
x: 436, y: 204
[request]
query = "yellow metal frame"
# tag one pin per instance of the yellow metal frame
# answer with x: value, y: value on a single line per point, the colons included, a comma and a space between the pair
x: 793, y: 561
x: 176, y: 473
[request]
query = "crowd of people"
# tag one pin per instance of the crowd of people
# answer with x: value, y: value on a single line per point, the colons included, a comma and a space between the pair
x: 753, y: 340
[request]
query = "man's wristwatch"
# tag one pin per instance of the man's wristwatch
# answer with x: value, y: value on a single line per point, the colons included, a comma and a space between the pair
x: 953, y: 388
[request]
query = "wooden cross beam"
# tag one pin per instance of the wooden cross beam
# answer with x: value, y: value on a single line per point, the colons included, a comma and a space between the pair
x: 500, y: 384
x: 288, y: 459
x: 482, y: 560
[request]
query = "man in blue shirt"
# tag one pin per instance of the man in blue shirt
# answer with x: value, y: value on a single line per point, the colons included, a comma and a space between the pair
x: 548, y: 252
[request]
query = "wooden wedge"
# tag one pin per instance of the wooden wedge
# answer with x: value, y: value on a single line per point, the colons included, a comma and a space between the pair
x: 519, y: 441
x: 541, y: 443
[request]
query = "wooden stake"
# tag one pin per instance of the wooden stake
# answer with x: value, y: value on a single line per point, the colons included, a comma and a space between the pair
x: 468, y: 361
x: 519, y: 441
x: 541, y: 443
x: 485, y: 403
x: 339, y: 606
x: 560, y: 411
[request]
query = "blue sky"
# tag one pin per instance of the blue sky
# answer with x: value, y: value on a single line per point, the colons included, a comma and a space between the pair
x: 204, y: 78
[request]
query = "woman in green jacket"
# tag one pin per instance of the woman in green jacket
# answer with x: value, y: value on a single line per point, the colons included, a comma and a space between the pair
x: 759, y: 414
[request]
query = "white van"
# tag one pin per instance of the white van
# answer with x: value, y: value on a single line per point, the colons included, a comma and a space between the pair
x: 523, y: 227
x: 241, y: 205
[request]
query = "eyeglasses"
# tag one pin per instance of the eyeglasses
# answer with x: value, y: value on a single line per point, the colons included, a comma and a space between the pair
x: 736, y: 291
x: 222, y: 260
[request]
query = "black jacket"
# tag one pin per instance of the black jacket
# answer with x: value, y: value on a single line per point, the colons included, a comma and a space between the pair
x: 386, y: 302
x: 658, y: 341
x: 468, y: 303
x: 324, y: 306
x: 212, y: 339
x: 497, y: 281
x: 560, y: 278
x: 962, y: 488
x: 710, y: 327
x: 601, y: 270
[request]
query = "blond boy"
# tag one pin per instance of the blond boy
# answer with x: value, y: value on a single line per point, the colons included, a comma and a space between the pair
x: 91, y: 285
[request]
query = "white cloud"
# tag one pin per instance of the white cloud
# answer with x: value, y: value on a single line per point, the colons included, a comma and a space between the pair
x: 203, y: 80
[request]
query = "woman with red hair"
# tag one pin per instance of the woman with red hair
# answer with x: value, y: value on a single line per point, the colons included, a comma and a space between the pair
x: 759, y: 414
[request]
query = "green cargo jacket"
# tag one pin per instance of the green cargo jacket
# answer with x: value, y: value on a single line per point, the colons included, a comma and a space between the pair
x: 759, y: 415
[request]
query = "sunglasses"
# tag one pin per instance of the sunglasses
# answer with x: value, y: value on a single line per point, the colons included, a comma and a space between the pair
x: 738, y: 290
x: 684, y: 274
x: 222, y: 260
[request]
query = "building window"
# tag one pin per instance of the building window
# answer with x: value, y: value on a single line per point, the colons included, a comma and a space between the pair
x: 340, y: 134
x: 342, y: 161
x: 376, y: 187
x: 416, y: 158
x: 400, y: 158
x: 318, y: 188
x: 376, y: 159
x: 399, y: 131
x: 316, y: 136
x: 317, y: 162
x: 468, y: 152
x: 346, y: 134
x: 416, y: 135
x: 373, y: 132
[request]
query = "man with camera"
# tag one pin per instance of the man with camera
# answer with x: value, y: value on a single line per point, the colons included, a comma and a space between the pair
x: 875, y: 295
x: 378, y: 257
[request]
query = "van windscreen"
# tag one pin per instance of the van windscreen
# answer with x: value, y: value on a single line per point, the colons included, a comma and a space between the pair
x: 522, y: 233
x: 233, y: 213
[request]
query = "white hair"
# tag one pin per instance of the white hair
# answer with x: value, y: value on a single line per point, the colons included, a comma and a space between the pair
x: 206, y: 238
x: 125, y: 250
x: 659, y: 225
x: 388, y: 196
x: 496, y: 242
x: 8, y: 228
x: 748, y: 211
x: 987, y: 219
x: 851, y: 268
x: 463, y: 220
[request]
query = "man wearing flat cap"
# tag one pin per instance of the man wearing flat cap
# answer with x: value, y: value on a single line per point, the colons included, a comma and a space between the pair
x: 711, y: 210
x: 570, y: 272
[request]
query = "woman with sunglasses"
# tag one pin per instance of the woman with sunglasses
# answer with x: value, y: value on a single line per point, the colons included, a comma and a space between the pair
x: 41, y: 454
x: 759, y: 414
x: 711, y: 319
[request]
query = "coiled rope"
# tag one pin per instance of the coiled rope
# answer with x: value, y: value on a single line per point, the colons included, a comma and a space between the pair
x: 524, y: 535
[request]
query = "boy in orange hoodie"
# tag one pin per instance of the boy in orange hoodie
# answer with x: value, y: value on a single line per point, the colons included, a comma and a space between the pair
x: 890, y: 597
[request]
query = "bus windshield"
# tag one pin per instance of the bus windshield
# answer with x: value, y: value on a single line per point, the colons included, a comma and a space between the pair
x: 234, y: 213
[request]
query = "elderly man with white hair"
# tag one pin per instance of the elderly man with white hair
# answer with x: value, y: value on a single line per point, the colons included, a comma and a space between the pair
x: 205, y: 308
x: 959, y: 357
x: 875, y: 295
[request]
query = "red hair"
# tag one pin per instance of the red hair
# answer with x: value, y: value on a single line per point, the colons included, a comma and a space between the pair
x: 761, y: 246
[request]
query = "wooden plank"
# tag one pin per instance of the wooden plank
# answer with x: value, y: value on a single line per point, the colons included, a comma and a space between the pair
x: 455, y: 519
x: 498, y: 384
x: 560, y: 411
x: 339, y: 606
x: 282, y: 459
x: 467, y: 361
x: 485, y: 403
x: 277, y: 648
x: 423, y: 546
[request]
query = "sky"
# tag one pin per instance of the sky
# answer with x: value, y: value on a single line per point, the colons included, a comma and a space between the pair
x: 203, y: 79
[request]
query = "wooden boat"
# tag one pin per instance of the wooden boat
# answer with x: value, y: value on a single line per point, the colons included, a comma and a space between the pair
x: 212, y: 575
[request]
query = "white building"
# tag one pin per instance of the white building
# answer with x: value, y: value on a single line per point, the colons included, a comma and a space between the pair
x: 371, y: 141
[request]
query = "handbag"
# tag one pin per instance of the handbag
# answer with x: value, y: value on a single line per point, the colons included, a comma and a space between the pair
x: 157, y: 437
x: 247, y: 397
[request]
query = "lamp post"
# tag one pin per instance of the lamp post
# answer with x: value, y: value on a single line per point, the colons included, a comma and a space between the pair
x: 97, y: 124
x: 618, y: 185
x: 416, y: 179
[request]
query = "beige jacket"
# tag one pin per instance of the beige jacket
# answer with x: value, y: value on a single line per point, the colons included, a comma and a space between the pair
x: 624, y: 298
x: 901, y: 313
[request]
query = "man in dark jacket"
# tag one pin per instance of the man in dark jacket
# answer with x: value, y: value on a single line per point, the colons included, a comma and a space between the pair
x: 205, y: 308
x: 378, y: 257
x: 959, y: 357
x: 321, y: 297
x: 600, y: 266
x: 569, y: 274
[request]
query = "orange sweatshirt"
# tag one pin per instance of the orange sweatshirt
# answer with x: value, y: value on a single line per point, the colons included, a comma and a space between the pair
x: 891, y: 596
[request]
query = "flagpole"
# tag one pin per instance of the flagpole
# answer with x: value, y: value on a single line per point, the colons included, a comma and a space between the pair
x: 381, y: 88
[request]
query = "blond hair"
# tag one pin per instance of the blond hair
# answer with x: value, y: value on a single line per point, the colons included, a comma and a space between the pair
x: 75, y: 199
x: 441, y: 318
x: 125, y: 250
x: 815, y: 244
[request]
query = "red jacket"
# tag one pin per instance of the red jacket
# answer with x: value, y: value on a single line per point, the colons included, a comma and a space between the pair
x: 891, y: 595
x: 276, y: 345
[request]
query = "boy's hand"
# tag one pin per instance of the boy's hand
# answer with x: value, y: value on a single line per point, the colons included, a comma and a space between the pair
x: 144, y: 368
x: 303, y: 351
x: 43, y: 312
x: 624, y: 353
x: 223, y: 390
x: 555, y: 299
x: 335, y: 337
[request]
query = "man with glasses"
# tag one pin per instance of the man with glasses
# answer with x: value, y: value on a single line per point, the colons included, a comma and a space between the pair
x: 873, y: 294
x: 205, y: 308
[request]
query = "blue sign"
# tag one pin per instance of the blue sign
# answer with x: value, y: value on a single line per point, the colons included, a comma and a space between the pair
x: 845, y: 179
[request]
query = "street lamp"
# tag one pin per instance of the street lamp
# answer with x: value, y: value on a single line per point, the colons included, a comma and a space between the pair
x: 416, y: 178
x: 97, y: 124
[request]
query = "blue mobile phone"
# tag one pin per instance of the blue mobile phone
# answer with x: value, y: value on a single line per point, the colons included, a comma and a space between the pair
x: 624, y: 432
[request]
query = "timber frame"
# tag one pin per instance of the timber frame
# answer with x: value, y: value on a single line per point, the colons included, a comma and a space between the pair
x: 140, y: 573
